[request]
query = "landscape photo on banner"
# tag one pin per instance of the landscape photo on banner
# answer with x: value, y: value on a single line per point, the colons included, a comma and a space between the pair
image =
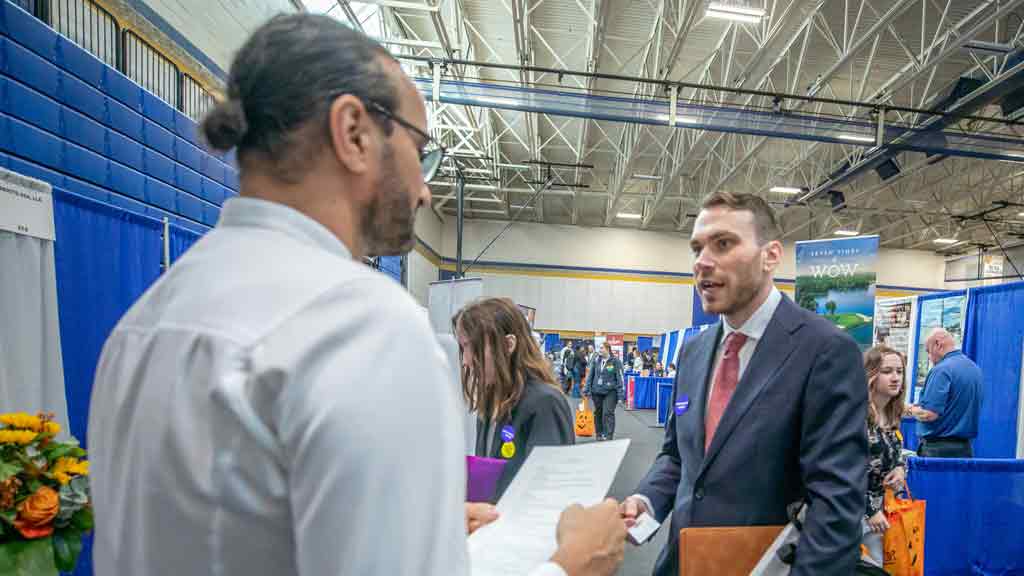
x: 836, y: 279
x: 947, y: 313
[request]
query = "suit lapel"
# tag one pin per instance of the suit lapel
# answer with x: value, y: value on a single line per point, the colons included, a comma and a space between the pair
x: 771, y: 353
x: 704, y: 357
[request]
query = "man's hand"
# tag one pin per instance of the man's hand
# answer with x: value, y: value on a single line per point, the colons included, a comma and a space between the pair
x: 591, y: 541
x: 631, y: 509
x: 896, y: 479
x: 479, y: 514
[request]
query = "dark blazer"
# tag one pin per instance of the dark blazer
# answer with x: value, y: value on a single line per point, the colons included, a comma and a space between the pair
x: 793, y: 430
x: 542, y: 418
x: 599, y: 383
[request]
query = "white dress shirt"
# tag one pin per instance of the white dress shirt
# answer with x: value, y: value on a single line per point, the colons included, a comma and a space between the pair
x: 754, y: 329
x: 234, y: 430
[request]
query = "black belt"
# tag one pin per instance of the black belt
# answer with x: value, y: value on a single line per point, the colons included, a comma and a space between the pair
x: 946, y: 439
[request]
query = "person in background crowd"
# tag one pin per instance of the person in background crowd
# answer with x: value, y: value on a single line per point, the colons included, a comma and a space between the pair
x: 885, y: 369
x: 770, y: 410
x: 506, y: 382
x: 671, y: 371
x: 605, y: 386
x: 580, y: 369
x: 555, y: 360
x: 228, y: 432
x: 591, y: 354
x: 648, y: 361
x: 628, y: 360
x: 659, y: 370
x: 638, y: 361
x: 950, y: 404
x: 568, y: 362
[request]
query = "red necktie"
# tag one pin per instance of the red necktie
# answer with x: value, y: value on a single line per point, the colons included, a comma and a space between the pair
x: 726, y: 378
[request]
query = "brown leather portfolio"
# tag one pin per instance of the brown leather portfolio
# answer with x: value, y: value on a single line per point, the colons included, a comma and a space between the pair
x: 725, y: 551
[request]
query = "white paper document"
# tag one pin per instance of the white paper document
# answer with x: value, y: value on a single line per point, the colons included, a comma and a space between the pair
x: 551, y: 479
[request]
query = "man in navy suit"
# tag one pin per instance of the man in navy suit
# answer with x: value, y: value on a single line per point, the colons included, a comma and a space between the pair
x: 769, y: 408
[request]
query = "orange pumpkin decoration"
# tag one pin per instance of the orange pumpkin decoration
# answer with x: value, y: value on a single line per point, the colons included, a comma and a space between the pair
x: 584, y: 420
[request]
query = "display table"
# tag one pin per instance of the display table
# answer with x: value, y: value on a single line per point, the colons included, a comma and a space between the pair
x: 664, y: 400
x: 645, y: 395
x: 974, y: 515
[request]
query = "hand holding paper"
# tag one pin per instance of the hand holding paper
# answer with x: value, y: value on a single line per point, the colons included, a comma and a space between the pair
x: 542, y: 517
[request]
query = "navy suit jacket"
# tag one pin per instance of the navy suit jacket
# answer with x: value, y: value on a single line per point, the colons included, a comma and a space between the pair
x: 793, y: 430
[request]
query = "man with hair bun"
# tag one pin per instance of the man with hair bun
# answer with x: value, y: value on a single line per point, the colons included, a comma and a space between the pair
x: 229, y: 433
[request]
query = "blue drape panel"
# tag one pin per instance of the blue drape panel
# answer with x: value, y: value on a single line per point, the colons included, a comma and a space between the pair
x: 994, y: 339
x: 644, y: 343
x: 180, y: 241
x: 645, y: 395
x: 552, y: 342
x: 664, y: 399
x: 105, y: 259
x: 699, y: 315
x: 973, y: 516
x: 673, y: 349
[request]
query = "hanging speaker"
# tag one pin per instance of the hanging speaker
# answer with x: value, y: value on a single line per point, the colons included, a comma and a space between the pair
x: 837, y: 199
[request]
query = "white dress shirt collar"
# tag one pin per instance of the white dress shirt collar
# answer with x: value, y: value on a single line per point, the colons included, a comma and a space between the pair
x: 755, y: 326
x: 253, y: 212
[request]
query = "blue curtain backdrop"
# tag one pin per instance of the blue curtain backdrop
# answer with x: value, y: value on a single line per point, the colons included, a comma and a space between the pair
x: 105, y: 259
x: 994, y: 339
x: 644, y: 343
x: 699, y: 315
x: 180, y: 241
x: 973, y: 515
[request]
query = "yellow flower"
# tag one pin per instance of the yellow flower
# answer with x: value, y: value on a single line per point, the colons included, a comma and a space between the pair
x: 17, y: 436
x: 64, y: 468
x: 22, y: 420
x: 51, y: 428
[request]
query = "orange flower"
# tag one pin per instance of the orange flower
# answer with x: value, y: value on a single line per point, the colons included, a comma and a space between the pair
x: 36, y: 513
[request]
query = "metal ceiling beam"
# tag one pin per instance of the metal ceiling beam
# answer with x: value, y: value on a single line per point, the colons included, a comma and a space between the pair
x: 596, y: 43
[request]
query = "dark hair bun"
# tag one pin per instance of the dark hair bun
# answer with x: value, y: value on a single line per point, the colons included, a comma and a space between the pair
x: 225, y: 126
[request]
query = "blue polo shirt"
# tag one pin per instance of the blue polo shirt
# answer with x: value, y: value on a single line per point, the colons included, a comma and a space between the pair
x: 953, y: 391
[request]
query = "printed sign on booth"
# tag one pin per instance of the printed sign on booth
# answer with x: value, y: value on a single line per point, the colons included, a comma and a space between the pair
x: 26, y: 205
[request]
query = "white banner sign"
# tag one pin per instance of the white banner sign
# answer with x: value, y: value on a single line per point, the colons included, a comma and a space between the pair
x: 26, y: 205
x: 992, y: 265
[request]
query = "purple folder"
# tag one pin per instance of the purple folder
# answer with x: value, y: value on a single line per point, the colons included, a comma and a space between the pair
x: 482, y: 476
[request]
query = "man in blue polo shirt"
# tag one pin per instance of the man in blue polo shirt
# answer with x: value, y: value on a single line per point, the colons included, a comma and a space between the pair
x: 947, y: 414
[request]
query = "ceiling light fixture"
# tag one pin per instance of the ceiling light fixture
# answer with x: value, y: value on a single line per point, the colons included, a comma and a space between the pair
x: 734, y: 12
x: 945, y: 241
x: 514, y: 166
x: 679, y: 119
x: 842, y: 232
x: 857, y: 138
x: 652, y: 177
x: 499, y: 101
x: 629, y: 216
x: 786, y: 189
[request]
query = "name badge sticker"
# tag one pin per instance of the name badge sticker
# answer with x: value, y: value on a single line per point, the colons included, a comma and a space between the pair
x: 682, y: 404
x: 508, y: 433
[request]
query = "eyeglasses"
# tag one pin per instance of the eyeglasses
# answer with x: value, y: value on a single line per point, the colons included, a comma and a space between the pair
x: 430, y: 159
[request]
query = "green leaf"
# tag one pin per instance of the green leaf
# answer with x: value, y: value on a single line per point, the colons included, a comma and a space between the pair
x: 83, y: 520
x: 8, y: 516
x: 67, y: 545
x: 28, y: 558
x: 54, y: 451
x: 8, y: 469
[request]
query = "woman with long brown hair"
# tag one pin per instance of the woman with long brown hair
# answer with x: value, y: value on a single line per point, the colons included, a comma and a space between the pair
x: 885, y: 369
x: 509, y: 384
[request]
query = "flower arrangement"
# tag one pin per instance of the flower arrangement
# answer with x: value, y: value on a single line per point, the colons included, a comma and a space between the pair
x: 44, y: 497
